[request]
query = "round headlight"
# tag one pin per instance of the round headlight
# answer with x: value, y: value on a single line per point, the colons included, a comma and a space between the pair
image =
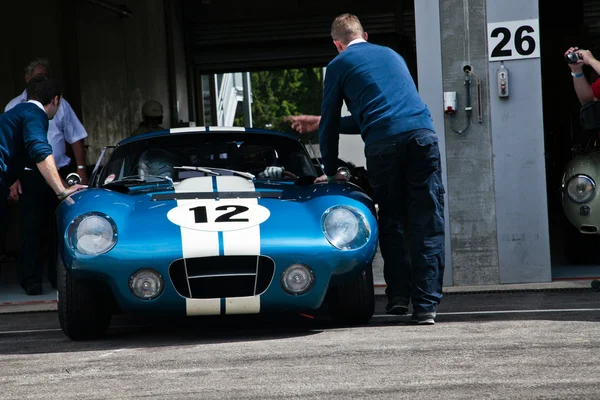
x: 92, y: 234
x: 345, y: 228
x: 146, y: 284
x: 297, y: 279
x: 581, y: 188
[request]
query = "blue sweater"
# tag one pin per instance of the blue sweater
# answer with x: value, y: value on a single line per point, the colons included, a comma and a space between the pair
x: 380, y: 94
x: 23, y: 138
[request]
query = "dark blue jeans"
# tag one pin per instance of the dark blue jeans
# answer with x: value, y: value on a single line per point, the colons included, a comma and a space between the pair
x: 405, y: 174
x: 37, y: 205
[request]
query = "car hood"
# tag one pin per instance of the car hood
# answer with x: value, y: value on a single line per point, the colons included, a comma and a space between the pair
x: 585, y: 164
x: 142, y: 207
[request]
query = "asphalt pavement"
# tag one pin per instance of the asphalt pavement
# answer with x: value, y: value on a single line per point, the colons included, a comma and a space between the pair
x: 508, y: 345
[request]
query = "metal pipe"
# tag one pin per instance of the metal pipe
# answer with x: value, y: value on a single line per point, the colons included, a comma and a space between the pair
x: 247, y: 104
x: 121, y: 10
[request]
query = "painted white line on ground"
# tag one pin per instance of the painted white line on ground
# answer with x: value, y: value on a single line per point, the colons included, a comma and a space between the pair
x: 558, y: 310
x: 505, y: 312
x: 59, y: 330
x: 29, y: 331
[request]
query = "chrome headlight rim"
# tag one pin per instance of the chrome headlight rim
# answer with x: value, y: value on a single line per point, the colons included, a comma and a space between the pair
x: 591, y: 193
x: 355, y: 243
x: 137, y: 274
x: 311, y: 280
x: 74, y: 225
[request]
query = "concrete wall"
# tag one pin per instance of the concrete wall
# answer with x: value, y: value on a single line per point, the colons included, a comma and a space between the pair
x: 472, y: 202
x: 520, y: 172
x: 29, y: 30
x: 495, y: 169
x: 123, y: 63
x: 430, y: 86
x: 109, y: 64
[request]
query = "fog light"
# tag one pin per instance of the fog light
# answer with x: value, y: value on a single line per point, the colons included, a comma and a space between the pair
x: 297, y: 279
x: 146, y: 284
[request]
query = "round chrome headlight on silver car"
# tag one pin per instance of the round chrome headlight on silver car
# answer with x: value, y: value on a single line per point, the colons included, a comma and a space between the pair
x: 92, y: 234
x: 345, y: 227
x: 581, y: 188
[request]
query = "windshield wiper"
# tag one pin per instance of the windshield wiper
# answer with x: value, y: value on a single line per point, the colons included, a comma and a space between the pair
x: 209, y: 170
x: 199, y: 169
x: 142, y: 179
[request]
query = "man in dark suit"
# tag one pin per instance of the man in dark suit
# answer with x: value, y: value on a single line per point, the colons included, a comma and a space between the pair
x: 23, y: 140
x: 403, y: 162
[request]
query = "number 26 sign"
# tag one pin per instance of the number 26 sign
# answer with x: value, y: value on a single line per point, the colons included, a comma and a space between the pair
x: 513, y: 40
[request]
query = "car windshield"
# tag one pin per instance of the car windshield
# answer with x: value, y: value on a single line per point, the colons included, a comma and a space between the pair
x: 224, y: 153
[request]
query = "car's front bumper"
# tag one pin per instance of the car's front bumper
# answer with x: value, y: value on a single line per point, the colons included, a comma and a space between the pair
x: 329, y: 268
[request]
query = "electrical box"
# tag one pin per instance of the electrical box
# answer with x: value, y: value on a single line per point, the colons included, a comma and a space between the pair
x: 502, y: 82
x: 450, y: 103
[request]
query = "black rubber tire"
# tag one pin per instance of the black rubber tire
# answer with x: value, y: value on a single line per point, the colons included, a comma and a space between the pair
x: 353, y: 301
x: 83, y: 309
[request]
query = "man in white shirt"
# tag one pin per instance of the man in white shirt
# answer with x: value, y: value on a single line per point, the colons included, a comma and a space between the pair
x: 37, y: 202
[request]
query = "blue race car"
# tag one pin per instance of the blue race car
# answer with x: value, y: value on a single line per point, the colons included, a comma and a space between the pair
x: 212, y: 221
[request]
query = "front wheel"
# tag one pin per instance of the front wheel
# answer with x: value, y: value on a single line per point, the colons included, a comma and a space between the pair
x: 353, y: 301
x: 83, y: 311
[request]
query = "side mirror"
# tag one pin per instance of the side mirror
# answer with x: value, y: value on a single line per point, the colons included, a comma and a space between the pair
x: 73, y: 179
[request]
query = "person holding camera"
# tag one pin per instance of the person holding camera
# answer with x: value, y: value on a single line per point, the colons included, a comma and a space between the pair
x: 577, y: 58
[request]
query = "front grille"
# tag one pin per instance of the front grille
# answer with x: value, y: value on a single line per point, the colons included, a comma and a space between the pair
x: 222, y: 276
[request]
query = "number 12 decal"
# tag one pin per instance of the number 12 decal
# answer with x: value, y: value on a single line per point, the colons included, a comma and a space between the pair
x: 513, y: 40
x: 218, y: 216
x: 201, y: 217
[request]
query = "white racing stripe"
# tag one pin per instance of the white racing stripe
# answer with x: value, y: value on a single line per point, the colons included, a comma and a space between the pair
x: 198, y: 243
x: 244, y: 241
x: 188, y: 129
x: 195, y: 243
x: 242, y: 305
x: 202, y: 307
x: 226, y: 129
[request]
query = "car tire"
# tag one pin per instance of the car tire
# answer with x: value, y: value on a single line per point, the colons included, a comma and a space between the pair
x: 353, y: 301
x: 83, y: 311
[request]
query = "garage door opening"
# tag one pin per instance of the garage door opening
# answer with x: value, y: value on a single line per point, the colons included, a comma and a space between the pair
x: 574, y: 254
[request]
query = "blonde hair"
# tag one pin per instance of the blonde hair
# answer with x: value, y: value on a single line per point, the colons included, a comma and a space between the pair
x: 346, y: 28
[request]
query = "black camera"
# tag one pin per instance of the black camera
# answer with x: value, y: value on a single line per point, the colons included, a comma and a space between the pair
x: 573, y: 57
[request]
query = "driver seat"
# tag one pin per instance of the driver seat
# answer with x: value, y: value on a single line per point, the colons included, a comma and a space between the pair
x: 158, y: 162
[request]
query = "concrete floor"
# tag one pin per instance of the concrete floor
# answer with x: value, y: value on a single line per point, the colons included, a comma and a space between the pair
x: 521, y: 345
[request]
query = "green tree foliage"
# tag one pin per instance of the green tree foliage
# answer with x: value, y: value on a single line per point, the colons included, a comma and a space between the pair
x: 277, y: 94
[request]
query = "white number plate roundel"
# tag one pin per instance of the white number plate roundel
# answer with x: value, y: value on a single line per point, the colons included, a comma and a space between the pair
x: 218, y: 216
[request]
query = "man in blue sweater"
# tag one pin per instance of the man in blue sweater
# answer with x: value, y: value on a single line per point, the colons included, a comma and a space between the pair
x: 24, y: 139
x: 403, y: 162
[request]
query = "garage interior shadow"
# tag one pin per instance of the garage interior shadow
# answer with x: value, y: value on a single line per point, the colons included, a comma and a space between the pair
x: 574, y: 255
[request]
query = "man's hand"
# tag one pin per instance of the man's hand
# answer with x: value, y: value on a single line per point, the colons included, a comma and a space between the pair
x: 586, y: 57
x: 69, y: 191
x: 15, y: 191
x: 575, y: 67
x: 304, y: 123
x: 338, y: 177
